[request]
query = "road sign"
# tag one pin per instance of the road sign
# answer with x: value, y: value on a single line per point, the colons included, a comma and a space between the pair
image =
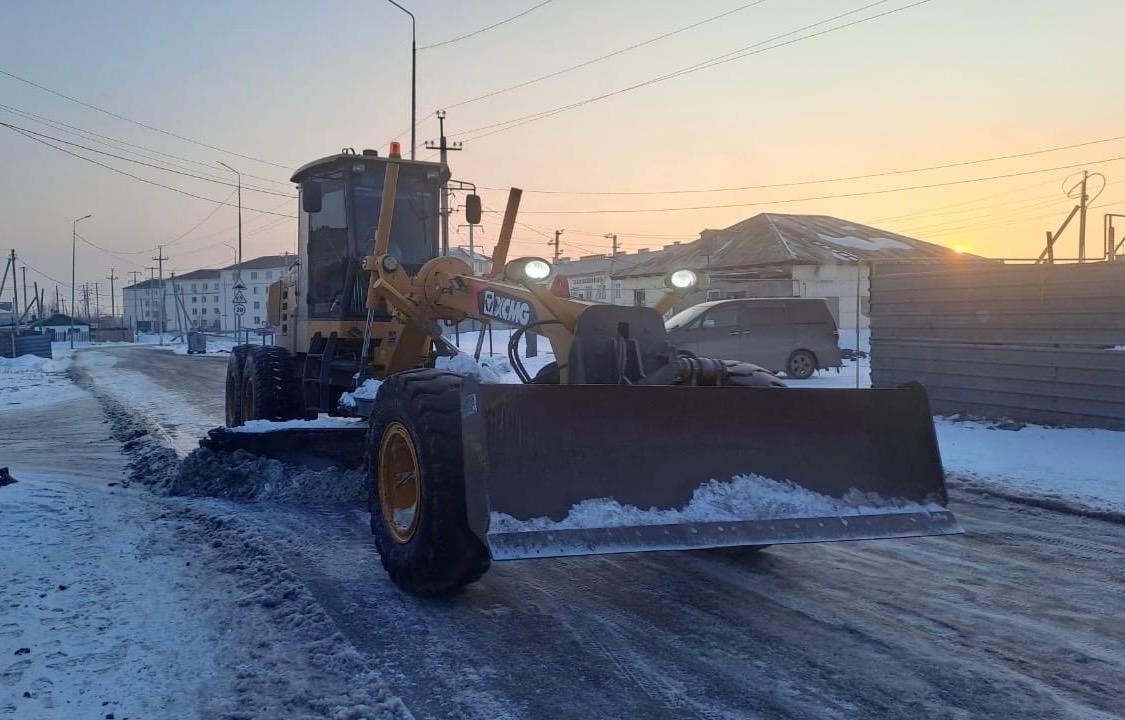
x: 240, y: 309
x: 239, y: 297
x: 239, y: 285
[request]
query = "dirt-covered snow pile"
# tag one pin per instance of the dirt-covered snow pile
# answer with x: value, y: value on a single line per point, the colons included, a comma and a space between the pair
x: 243, y: 476
x: 744, y: 497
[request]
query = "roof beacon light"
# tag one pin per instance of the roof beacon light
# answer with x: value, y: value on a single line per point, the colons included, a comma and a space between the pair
x: 396, y: 149
x: 683, y: 279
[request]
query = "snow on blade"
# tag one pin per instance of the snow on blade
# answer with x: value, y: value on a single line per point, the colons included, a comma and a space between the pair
x: 463, y: 364
x: 367, y: 391
x: 745, y: 497
x: 263, y: 426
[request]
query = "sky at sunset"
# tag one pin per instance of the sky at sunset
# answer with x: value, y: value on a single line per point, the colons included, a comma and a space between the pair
x: 935, y: 83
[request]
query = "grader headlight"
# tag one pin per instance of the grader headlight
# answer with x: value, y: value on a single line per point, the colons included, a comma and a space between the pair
x: 682, y: 280
x: 531, y: 269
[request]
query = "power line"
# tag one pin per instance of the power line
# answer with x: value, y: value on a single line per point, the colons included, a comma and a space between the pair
x: 138, y: 123
x: 746, y: 51
x: 137, y: 177
x: 598, y: 59
x: 884, y: 191
x: 145, y: 164
x: 119, y: 144
x: 493, y: 26
x: 846, y: 178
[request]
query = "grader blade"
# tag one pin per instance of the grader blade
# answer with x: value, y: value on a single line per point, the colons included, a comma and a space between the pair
x: 556, y: 470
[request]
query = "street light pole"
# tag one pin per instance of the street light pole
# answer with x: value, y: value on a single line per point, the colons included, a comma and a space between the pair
x: 413, y: 74
x: 238, y: 265
x: 73, y: 262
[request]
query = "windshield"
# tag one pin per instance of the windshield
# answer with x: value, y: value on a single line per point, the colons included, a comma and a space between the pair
x: 414, y: 231
x: 685, y: 317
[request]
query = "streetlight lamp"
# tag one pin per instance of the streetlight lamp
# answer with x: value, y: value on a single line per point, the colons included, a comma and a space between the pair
x: 73, y: 262
x: 238, y: 264
x: 413, y: 73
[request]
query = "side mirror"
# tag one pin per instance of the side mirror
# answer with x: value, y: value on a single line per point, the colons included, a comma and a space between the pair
x: 311, y: 196
x: 472, y: 209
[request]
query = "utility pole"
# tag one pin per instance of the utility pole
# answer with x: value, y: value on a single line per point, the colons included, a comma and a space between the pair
x: 1083, y: 200
x: 86, y: 302
x: 134, y: 273
x: 25, y: 295
x: 413, y: 74
x: 58, y: 300
x: 444, y: 147
x: 151, y: 294
x: 556, y: 244
x: 238, y: 267
x: 97, y: 304
x: 112, y: 295
x: 160, y: 263
x: 612, y: 268
x: 73, y: 281
x: 15, y: 300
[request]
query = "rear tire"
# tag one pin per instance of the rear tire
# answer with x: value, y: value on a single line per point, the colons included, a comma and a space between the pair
x: 801, y: 365
x: 270, y: 388
x: 418, y: 414
x: 235, y: 375
x: 743, y: 374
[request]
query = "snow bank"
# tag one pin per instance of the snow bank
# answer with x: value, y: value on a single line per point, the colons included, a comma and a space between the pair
x: 497, y: 361
x: 745, y: 497
x: 1081, y: 466
x: 33, y: 364
x: 32, y: 381
x: 262, y: 426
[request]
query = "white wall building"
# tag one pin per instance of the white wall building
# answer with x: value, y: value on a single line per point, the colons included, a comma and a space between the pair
x: 202, y: 299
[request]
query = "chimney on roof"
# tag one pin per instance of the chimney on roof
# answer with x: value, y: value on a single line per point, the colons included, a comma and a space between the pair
x: 643, y: 250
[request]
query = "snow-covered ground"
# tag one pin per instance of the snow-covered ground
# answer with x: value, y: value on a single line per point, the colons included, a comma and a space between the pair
x: 29, y: 381
x: 117, y: 603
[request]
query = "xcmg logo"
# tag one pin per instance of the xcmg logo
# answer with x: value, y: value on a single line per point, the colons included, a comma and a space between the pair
x: 506, y: 308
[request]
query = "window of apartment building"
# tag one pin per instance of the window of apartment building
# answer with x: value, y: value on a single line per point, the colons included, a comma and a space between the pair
x: 269, y: 274
x: 194, y: 299
x: 257, y: 305
x: 253, y: 276
x: 195, y: 311
x: 639, y: 297
x: 255, y: 289
x: 257, y: 320
x: 193, y: 287
x: 599, y: 294
x: 204, y: 311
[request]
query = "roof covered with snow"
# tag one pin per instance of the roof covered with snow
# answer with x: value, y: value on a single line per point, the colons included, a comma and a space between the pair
x: 600, y: 264
x: 777, y: 239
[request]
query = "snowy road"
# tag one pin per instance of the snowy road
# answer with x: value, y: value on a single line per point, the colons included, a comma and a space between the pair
x: 1020, y: 617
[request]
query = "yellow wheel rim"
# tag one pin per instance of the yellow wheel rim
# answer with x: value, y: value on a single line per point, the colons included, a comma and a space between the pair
x: 248, y: 401
x: 400, y: 483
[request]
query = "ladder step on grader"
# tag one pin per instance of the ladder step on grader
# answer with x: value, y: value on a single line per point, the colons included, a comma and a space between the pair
x: 624, y: 444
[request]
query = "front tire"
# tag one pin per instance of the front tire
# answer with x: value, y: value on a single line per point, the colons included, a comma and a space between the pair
x: 416, y: 484
x: 270, y: 388
x: 236, y: 365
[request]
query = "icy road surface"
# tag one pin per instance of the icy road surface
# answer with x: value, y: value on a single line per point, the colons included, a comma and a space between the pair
x: 1021, y: 617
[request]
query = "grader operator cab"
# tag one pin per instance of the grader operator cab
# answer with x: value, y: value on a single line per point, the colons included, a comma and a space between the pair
x: 623, y: 444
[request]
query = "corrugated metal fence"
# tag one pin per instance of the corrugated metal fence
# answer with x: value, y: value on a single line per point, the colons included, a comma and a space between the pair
x: 29, y: 344
x: 1028, y: 342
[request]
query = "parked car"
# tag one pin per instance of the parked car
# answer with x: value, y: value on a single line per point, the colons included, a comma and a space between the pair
x: 794, y: 335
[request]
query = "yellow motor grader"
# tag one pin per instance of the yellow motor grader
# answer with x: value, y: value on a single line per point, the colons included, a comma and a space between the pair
x: 623, y: 444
